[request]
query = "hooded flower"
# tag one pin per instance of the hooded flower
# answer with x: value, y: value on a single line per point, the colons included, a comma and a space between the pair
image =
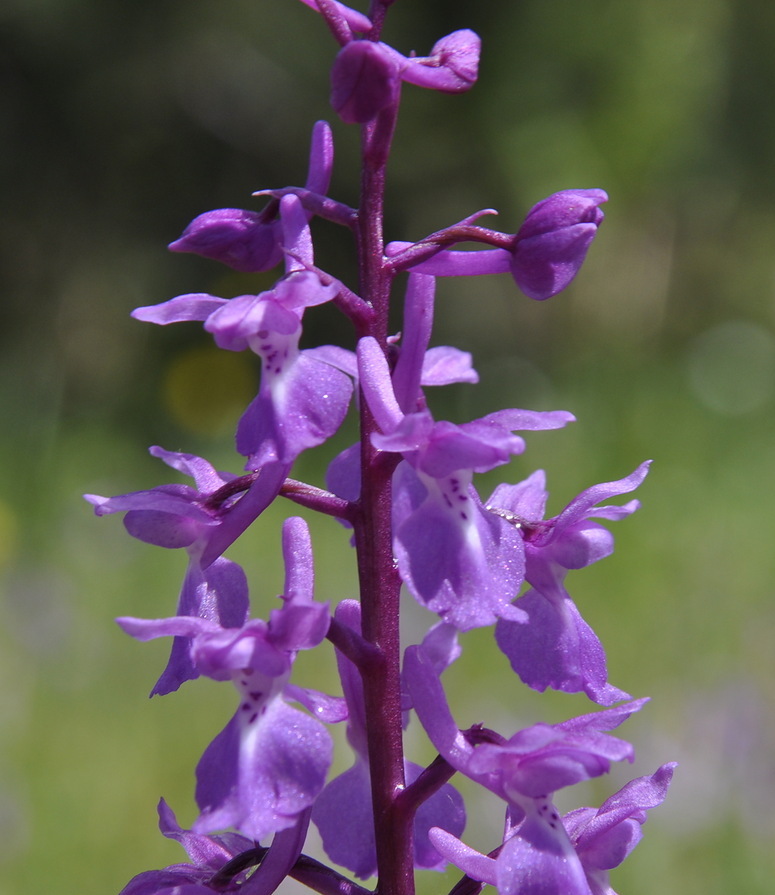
x: 544, y: 854
x: 604, y: 837
x: 366, y: 75
x: 302, y: 400
x: 223, y: 863
x: 557, y: 648
x: 251, y: 241
x: 537, y: 856
x: 207, y: 854
x: 455, y: 558
x: 205, y: 520
x: 268, y: 765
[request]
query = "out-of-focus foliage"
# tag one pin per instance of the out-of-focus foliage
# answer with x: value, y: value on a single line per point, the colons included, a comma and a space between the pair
x: 123, y: 120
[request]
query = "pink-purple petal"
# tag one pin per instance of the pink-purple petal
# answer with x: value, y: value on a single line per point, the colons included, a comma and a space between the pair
x: 365, y: 79
x: 444, y: 365
x: 451, y: 67
x: 258, y: 778
x: 556, y: 648
x: 581, y: 507
x: 374, y: 378
x: 471, y: 862
x: 540, y: 860
x: 184, y: 308
x: 297, y: 410
x: 321, y: 158
x: 465, y: 570
x: 342, y: 813
x: 412, y: 356
x: 243, y: 240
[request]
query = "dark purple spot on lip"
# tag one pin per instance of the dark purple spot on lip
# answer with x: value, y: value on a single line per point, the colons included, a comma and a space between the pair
x: 256, y: 695
x: 253, y: 718
x: 246, y: 707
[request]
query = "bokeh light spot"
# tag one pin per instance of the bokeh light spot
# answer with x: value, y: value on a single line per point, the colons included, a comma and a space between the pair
x: 206, y: 389
x: 731, y: 367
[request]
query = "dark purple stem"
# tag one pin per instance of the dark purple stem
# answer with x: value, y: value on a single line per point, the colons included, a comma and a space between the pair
x: 360, y: 652
x: 379, y: 581
x: 324, y: 879
x: 306, y: 870
x: 317, y: 204
x: 317, y: 499
x: 426, y: 248
x: 430, y: 781
x: 335, y: 22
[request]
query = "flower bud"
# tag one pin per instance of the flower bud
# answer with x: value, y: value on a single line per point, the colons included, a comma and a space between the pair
x: 241, y: 239
x: 365, y: 79
x: 551, y: 244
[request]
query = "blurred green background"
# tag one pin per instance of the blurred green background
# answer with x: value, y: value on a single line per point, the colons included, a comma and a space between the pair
x: 123, y: 120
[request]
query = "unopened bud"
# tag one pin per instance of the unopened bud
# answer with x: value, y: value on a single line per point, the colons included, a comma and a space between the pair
x: 241, y: 239
x: 551, y: 244
x: 365, y: 80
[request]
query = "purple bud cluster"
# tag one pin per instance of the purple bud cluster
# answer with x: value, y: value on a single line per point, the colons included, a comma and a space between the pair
x: 406, y: 491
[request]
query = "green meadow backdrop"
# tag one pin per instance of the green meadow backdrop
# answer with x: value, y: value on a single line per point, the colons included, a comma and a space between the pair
x: 123, y: 120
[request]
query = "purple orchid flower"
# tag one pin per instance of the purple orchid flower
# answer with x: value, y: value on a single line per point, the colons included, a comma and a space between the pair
x: 537, y: 854
x: 269, y: 764
x: 366, y: 75
x: 365, y: 79
x: 302, y: 400
x: 342, y: 812
x: 556, y: 648
x: 220, y: 863
x: 601, y: 839
x: 552, y: 243
x: 251, y: 241
x: 205, y: 520
x: 248, y: 241
x: 453, y: 64
x: 543, y: 256
x: 208, y: 855
x: 604, y: 837
x: 451, y: 556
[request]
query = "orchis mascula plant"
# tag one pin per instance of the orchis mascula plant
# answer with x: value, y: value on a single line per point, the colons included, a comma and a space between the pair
x: 406, y: 491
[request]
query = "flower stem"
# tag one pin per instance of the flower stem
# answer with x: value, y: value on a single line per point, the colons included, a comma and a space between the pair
x: 379, y: 580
